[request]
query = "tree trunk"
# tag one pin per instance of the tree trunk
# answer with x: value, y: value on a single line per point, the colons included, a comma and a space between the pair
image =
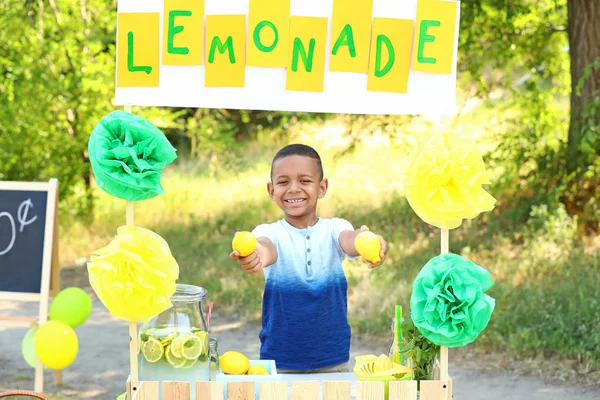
x: 584, y: 44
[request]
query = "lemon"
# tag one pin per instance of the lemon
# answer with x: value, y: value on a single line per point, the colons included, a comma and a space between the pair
x: 203, y: 336
x: 244, y: 243
x: 234, y: 363
x: 258, y: 370
x: 189, y: 363
x: 368, y: 246
x: 177, y: 346
x: 192, y: 347
x: 152, y: 350
x: 175, y: 362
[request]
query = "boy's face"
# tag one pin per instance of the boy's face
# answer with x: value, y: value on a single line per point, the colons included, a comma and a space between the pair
x: 296, y: 185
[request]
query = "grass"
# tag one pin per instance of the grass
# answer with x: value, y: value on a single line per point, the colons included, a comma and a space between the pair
x: 547, y: 282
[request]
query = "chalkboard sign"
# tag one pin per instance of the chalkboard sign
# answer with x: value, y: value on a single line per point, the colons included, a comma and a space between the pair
x: 27, y: 217
x: 22, y: 225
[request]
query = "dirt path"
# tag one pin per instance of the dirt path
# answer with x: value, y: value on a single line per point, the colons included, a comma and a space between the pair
x: 102, y: 365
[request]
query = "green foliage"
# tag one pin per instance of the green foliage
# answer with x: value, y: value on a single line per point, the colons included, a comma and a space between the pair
x: 419, y: 352
x: 53, y: 75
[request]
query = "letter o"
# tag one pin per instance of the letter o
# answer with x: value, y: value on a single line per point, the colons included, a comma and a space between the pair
x: 259, y: 45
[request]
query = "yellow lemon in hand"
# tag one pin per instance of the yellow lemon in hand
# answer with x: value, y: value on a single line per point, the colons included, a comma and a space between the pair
x: 234, y: 363
x: 368, y: 246
x: 244, y: 243
x: 258, y: 370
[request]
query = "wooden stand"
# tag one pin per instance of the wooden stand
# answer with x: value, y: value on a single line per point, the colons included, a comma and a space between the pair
x: 297, y: 390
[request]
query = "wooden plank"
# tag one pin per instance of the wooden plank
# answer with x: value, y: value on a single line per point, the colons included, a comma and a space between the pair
x: 18, y: 296
x: 240, y: 391
x: 176, y: 390
x: 209, y: 390
x: 434, y: 390
x: 336, y: 390
x: 17, y: 322
x: 370, y: 390
x: 403, y: 390
x: 273, y: 390
x: 310, y: 390
x: 16, y: 185
x: 449, y: 389
x: 147, y: 390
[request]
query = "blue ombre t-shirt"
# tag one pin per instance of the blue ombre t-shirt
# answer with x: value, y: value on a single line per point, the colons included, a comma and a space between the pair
x: 304, y: 314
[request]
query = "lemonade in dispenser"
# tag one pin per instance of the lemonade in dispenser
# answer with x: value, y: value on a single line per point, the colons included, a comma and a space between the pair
x: 174, y: 345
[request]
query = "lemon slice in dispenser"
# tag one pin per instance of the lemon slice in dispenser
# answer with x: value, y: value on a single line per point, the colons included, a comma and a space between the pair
x: 152, y: 350
x: 192, y: 347
x: 175, y: 362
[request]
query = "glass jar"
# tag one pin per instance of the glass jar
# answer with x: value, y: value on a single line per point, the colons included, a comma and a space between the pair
x: 394, y: 352
x: 174, y: 345
x: 213, y: 358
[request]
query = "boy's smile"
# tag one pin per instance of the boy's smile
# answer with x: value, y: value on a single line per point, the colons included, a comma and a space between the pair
x: 296, y: 186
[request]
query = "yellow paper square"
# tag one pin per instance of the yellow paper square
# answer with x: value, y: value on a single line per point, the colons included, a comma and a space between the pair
x: 307, y: 50
x: 389, y: 63
x: 183, y: 27
x: 350, y: 35
x: 225, y: 51
x: 138, y: 49
x: 268, y: 33
x: 434, y: 37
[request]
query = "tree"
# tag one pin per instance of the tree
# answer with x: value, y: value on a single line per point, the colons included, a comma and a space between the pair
x: 584, y: 48
x: 56, y: 68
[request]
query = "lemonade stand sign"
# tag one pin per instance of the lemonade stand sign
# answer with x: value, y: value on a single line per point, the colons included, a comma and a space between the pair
x: 336, y: 56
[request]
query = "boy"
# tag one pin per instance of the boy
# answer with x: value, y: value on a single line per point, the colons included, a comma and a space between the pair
x: 304, y: 315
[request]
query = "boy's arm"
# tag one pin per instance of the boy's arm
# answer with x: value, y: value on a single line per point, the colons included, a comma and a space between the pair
x: 347, y: 244
x: 266, y: 251
x: 265, y: 255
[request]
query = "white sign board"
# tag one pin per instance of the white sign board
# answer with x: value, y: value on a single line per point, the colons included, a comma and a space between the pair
x: 333, y: 56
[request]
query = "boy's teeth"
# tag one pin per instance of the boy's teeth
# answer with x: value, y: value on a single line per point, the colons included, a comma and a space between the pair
x: 294, y: 201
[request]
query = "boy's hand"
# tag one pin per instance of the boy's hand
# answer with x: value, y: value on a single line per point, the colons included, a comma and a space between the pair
x: 250, y: 263
x: 382, y: 253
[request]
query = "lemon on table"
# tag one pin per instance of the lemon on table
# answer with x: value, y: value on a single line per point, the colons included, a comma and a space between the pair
x: 244, y: 243
x: 175, y: 362
x: 258, y: 370
x: 152, y: 350
x: 234, y: 363
x: 368, y: 246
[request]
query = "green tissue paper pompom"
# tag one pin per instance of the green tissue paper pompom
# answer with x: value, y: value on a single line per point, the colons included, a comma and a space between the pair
x: 128, y: 153
x: 448, y: 303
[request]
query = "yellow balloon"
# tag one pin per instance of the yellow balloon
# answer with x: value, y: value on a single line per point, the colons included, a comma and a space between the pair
x: 56, y: 345
x: 244, y: 242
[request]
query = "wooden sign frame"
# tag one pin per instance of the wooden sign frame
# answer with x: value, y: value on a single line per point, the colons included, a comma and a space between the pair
x: 50, y: 279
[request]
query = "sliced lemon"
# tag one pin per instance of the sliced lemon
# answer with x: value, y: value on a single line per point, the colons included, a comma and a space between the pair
x: 152, y: 350
x: 177, y: 346
x: 203, y: 336
x: 175, y: 362
x: 189, y: 363
x: 165, y: 341
x: 192, y: 347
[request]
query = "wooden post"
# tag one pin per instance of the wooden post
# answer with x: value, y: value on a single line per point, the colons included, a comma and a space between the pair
x: 133, y: 339
x: 445, y: 249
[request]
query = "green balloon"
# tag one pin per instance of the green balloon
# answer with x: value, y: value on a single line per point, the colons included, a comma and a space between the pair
x: 71, y: 306
x: 28, y: 349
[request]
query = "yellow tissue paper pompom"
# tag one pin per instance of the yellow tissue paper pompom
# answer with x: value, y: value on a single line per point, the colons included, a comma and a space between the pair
x: 134, y: 275
x: 444, y: 182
